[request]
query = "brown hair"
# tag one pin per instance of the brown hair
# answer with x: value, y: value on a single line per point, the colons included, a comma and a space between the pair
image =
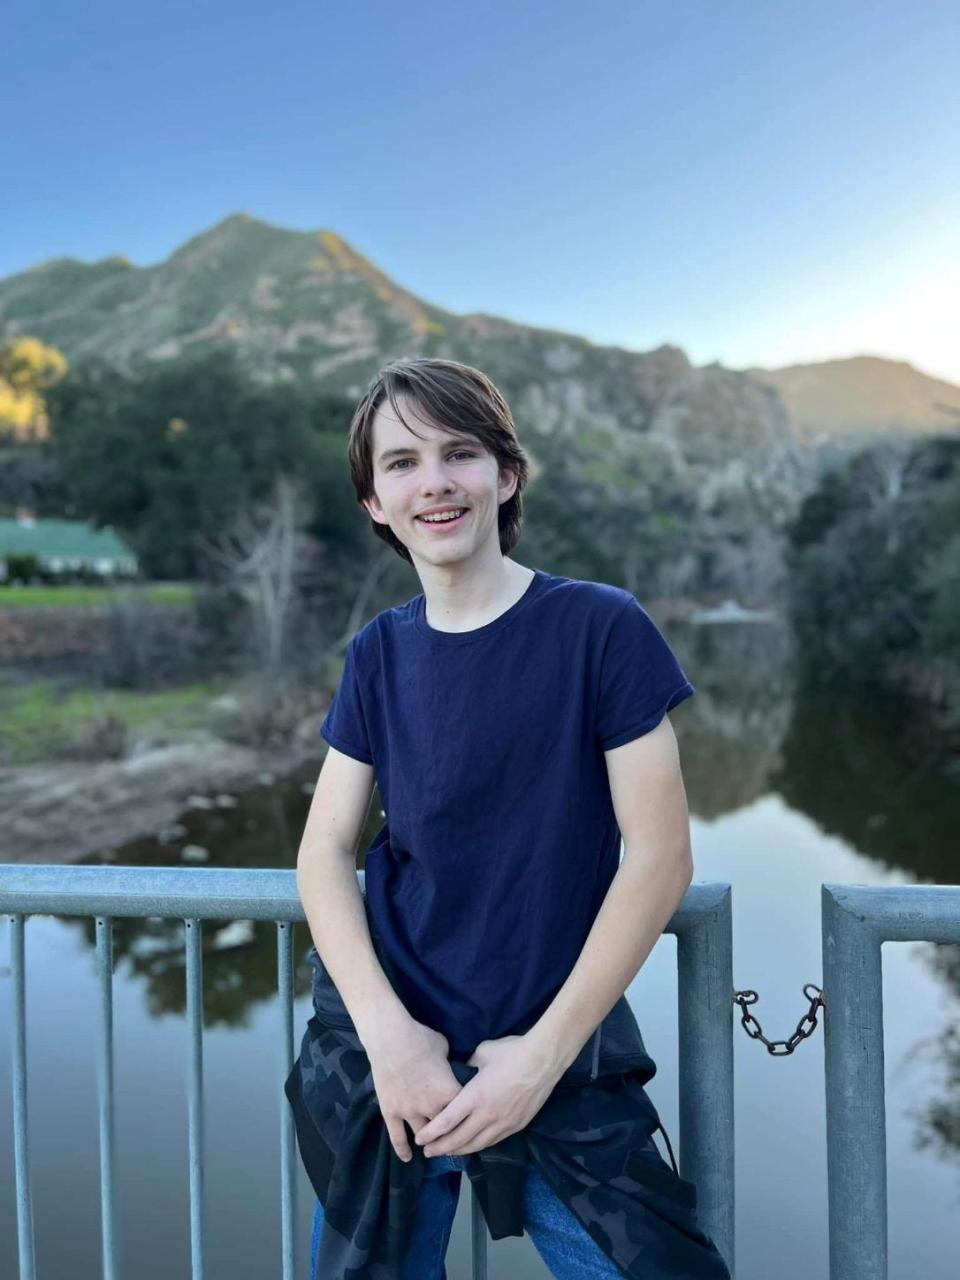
x: 455, y: 396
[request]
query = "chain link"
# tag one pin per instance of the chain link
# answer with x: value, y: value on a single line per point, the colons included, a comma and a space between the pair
x: 805, y: 1027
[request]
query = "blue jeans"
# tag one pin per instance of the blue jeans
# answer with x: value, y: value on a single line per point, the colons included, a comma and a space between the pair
x: 558, y: 1235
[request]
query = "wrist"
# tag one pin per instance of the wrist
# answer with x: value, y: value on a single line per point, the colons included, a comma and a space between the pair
x: 554, y: 1051
x: 382, y: 1025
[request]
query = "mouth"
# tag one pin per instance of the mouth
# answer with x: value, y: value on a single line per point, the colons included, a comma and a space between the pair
x: 441, y: 526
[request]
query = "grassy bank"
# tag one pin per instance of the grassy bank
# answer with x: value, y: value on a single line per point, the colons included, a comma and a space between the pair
x: 39, y: 719
x: 19, y: 597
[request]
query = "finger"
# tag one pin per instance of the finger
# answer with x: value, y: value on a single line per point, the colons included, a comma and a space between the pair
x: 452, y: 1114
x: 416, y: 1123
x: 485, y: 1138
x: 457, y: 1141
x: 398, y: 1138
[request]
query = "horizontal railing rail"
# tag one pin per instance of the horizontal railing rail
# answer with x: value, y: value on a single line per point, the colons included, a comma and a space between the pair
x: 702, y: 925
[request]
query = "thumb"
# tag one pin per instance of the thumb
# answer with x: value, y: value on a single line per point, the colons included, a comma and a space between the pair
x: 475, y: 1057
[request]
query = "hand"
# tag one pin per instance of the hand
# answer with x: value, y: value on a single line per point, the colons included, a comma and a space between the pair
x: 513, y: 1081
x: 411, y: 1078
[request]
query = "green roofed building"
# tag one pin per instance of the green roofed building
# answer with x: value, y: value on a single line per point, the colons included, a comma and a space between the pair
x: 64, y: 546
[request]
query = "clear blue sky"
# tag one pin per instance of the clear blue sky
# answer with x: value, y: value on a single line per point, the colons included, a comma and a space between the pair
x: 757, y: 182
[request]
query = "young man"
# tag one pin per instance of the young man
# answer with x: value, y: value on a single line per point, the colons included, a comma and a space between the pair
x: 515, y: 722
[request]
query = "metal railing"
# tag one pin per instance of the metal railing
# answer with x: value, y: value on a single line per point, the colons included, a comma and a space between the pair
x: 856, y: 921
x: 702, y: 925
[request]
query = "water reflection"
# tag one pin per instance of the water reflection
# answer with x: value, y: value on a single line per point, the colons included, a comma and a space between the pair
x: 730, y: 733
x: 938, y: 1119
x: 262, y: 829
x: 238, y: 975
x: 864, y: 764
x: 865, y: 768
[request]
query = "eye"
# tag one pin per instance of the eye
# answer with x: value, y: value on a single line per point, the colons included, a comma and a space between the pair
x: 457, y: 453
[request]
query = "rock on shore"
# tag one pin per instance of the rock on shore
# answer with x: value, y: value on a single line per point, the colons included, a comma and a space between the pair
x: 63, y: 811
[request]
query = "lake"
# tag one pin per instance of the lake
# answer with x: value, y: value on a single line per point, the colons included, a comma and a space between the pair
x: 787, y: 790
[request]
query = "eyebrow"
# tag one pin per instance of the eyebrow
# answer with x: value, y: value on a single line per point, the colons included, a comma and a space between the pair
x: 405, y: 449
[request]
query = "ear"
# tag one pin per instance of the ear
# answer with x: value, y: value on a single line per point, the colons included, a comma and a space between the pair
x: 507, y: 484
x: 373, y: 509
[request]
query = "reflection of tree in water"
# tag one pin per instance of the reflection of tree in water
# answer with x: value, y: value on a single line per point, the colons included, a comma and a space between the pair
x: 938, y: 1120
x: 261, y: 830
x: 235, y: 978
x: 739, y: 714
x: 867, y: 768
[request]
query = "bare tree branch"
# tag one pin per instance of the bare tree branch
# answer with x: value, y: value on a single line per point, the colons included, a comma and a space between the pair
x: 259, y: 553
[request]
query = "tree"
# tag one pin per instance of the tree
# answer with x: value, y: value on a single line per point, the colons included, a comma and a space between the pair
x: 940, y: 571
x: 166, y: 453
x: 873, y: 560
x: 28, y: 367
x: 258, y: 555
x: 610, y: 505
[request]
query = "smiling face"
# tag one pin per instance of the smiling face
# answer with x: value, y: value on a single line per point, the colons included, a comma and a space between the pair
x: 436, y: 468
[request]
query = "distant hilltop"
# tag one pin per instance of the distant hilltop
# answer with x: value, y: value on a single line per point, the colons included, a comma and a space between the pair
x: 862, y: 396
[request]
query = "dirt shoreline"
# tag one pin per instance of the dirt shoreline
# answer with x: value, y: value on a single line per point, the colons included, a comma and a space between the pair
x: 59, y: 812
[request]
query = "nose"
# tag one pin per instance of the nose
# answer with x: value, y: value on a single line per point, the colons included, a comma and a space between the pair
x: 434, y: 477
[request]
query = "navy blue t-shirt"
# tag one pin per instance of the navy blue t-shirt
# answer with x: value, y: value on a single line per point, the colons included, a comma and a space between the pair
x: 500, y: 839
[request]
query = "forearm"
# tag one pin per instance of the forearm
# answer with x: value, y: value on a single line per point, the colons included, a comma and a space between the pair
x: 333, y: 904
x: 645, y: 892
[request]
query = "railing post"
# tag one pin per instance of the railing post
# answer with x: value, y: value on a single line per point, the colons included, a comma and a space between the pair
x: 193, y: 938
x: 105, y: 1096
x: 288, y: 1198
x: 856, y: 921
x: 703, y: 925
x: 856, y: 1120
x: 21, y: 1146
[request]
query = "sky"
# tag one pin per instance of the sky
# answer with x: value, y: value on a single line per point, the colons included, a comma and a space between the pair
x: 760, y: 183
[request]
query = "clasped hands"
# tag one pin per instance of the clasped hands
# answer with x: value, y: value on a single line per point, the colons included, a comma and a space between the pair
x: 514, y: 1079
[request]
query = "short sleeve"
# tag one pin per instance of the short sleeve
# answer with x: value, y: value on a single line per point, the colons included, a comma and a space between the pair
x: 345, y: 726
x: 640, y: 678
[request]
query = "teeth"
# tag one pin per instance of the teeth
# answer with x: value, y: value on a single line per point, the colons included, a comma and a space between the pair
x: 446, y: 515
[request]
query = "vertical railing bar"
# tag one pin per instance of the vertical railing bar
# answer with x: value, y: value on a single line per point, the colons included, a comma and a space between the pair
x: 106, y: 1095
x: 288, y: 1202
x: 478, y: 1235
x: 192, y: 941
x: 855, y: 1093
x: 25, y: 1241
x: 705, y: 1068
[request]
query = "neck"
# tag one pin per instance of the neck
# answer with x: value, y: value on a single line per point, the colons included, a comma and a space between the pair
x: 464, y: 596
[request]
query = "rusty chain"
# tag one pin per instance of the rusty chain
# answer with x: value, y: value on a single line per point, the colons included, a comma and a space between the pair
x: 805, y: 1027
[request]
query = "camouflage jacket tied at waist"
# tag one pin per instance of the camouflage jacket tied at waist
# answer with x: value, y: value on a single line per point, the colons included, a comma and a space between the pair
x: 592, y: 1140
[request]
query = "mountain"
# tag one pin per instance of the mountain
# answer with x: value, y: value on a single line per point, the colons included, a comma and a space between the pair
x: 862, y: 398
x: 306, y: 306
